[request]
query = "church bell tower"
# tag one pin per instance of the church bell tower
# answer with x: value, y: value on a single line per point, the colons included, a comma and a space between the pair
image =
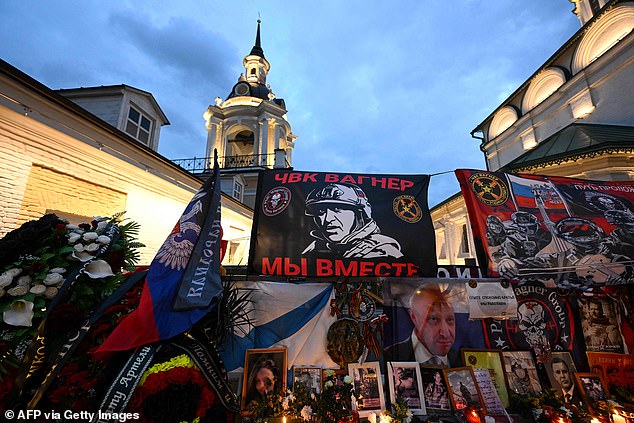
x: 249, y: 129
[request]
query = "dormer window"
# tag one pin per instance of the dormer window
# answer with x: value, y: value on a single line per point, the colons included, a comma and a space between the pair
x: 139, y: 125
x: 237, y: 190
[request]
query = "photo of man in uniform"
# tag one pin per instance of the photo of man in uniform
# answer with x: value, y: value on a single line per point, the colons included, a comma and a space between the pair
x: 434, y: 330
x: 600, y: 329
x: 343, y: 224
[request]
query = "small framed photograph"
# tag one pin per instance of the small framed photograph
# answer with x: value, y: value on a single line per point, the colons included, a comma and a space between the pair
x: 264, y: 372
x: 463, y: 389
x: 521, y: 373
x: 368, y: 387
x: 591, y: 387
x: 234, y: 379
x: 336, y: 376
x: 435, y: 391
x: 491, y: 360
x: 405, y: 380
x: 617, y: 369
x: 560, y: 369
x: 309, y: 377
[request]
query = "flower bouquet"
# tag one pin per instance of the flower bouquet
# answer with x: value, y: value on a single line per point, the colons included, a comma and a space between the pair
x: 52, y: 276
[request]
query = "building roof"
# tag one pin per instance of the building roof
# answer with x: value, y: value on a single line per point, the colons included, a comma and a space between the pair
x: 575, y: 141
x: 552, y: 61
x: 109, y: 90
x: 257, y: 49
x: 55, y: 97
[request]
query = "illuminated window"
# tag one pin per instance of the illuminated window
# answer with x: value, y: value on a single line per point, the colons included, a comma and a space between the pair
x: 138, y: 125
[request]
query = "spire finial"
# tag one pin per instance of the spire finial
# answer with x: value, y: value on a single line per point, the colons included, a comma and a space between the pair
x: 257, y: 48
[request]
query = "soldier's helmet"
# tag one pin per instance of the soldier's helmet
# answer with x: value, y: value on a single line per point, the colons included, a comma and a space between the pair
x: 580, y: 232
x: 339, y: 195
x: 525, y: 222
x: 621, y: 218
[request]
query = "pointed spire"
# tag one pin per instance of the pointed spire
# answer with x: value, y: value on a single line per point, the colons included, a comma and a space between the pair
x: 257, y: 49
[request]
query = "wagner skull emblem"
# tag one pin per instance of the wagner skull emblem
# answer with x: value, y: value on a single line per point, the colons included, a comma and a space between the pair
x: 532, y: 322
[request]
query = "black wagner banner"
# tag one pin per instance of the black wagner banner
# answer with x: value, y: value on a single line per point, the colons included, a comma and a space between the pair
x: 311, y: 224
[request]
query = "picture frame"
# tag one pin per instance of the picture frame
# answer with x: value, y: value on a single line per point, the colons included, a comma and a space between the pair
x: 564, y: 368
x: 592, y: 388
x: 435, y: 392
x: 310, y: 377
x: 234, y: 380
x: 520, y: 372
x: 368, y: 387
x: 405, y: 379
x: 492, y: 360
x: 272, y: 363
x: 617, y: 369
x: 463, y: 389
x: 339, y: 374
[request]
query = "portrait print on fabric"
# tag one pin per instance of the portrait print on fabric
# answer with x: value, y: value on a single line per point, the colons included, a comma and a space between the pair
x: 337, y: 225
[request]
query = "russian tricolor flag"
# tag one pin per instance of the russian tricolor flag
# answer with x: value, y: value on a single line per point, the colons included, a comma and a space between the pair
x: 183, y: 281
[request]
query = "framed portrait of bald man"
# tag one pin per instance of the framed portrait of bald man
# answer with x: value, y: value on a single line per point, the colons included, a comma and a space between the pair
x: 560, y: 369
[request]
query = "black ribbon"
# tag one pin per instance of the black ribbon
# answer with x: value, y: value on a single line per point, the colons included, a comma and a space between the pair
x: 66, y: 351
x: 122, y: 388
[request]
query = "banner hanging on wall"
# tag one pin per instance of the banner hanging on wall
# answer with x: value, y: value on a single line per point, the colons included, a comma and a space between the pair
x: 561, y: 231
x: 312, y: 224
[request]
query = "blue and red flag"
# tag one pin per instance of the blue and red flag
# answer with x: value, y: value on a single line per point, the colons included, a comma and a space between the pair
x: 183, y: 282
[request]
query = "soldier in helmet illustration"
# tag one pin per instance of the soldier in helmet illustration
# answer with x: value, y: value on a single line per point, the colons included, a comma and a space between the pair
x: 343, y: 222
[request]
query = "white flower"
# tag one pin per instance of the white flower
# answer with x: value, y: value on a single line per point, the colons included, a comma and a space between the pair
x: 285, y: 403
x: 347, y: 379
x: 58, y: 270
x: 328, y: 384
x: 20, y: 313
x: 102, y: 225
x: 53, y: 279
x: 50, y: 292
x: 91, y: 248
x: 90, y: 236
x: 72, y: 227
x: 98, y: 269
x: 24, y: 280
x: 306, y: 412
x: 16, y: 291
x: 312, y: 396
x: 82, y: 256
x: 102, y: 239
x: 73, y: 238
x: 13, y: 272
x: 37, y: 289
x: 5, y: 280
x: 79, y: 247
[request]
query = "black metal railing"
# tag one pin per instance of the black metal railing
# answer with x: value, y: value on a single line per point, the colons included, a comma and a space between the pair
x: 203, y: 164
